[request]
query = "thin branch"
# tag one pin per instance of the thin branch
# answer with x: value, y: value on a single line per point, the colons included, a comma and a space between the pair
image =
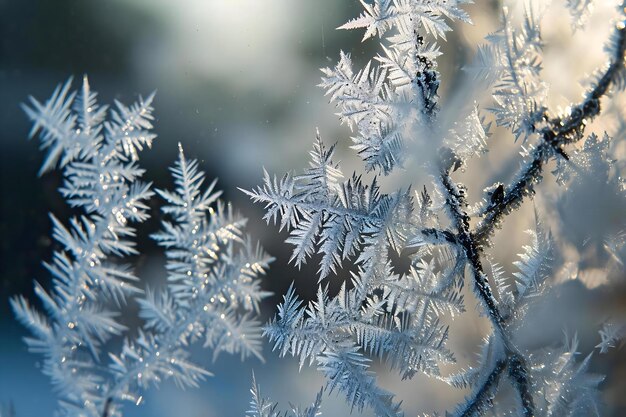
x: 438, y: 236
x: 456, y: 203
x: 484, y: 395
x: 520, y: 376
x: 558, y: 133
x: 106, y: 411
x: 518, y: 371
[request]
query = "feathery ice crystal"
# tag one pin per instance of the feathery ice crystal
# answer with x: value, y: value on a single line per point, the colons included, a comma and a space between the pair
x: 213, y: 290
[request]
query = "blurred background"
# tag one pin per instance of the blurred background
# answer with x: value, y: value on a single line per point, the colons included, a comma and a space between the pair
x: 236, y: 85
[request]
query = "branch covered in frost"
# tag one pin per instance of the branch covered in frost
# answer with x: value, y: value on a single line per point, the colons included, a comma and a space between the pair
x: 556, y: 133
x: 483, y: 397
x: 518, y: 370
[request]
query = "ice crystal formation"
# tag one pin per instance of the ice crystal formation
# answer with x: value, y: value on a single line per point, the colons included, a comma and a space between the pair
x: 212, y: 293
x: 398, y: 317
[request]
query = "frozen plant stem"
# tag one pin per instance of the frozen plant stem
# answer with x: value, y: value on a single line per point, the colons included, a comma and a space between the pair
x: 518, y: 372
x: 486, y: 393
x: 557, y: 133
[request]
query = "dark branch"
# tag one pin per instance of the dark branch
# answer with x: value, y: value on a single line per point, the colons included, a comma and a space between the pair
x: 107, y: 407
x: 483, y: 397
x: 519, y: 375
x: 558, y: 133
x: 457, y: 203
x: 518, y: 371
x: 438, y: 236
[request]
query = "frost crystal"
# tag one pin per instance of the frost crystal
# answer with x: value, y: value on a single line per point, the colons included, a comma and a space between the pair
x: 213, y: 290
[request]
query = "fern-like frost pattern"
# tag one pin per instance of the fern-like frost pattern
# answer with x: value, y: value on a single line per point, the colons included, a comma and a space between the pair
x: 213, y: 292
